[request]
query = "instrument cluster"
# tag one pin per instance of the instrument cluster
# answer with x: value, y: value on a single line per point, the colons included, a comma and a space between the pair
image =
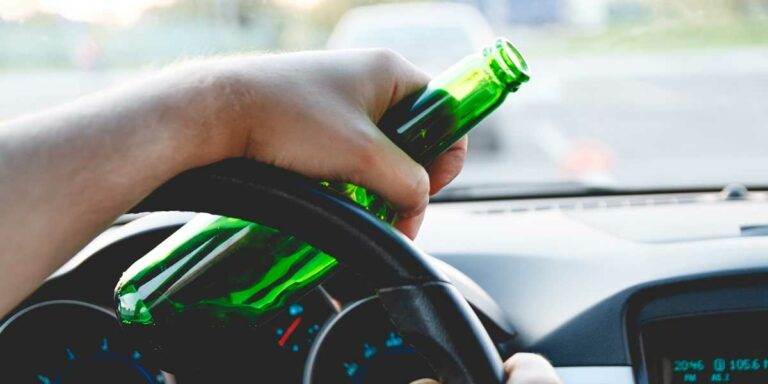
x: 66, y: 341
x: 361, y: 345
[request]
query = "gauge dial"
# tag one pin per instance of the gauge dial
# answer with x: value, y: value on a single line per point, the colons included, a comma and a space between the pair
x: 274, y: 353
x: 295, y: 330
x: 298, y: 330
x: 71, y: 342
x: 361, y: 346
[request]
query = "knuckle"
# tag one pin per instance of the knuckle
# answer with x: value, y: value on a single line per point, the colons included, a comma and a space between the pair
x: 387, y: 57
x: 387, y: 63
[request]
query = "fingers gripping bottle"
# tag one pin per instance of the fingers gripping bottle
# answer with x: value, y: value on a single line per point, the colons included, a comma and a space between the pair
x: 220, y: 270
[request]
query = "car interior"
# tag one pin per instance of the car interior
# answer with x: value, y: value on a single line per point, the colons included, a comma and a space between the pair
x: 619, y: 230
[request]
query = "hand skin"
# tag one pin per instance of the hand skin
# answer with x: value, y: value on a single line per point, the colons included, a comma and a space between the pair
x: 522, y: 368
x: 67, y: 173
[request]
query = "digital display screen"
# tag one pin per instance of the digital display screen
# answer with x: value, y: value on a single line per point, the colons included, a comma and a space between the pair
x: 723, y: 369
x: 730, y: 348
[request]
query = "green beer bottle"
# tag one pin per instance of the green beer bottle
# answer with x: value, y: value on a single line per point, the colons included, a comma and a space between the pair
x: 227, y: 271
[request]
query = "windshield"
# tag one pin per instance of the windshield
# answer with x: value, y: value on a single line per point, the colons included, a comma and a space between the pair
x: 635, y: 94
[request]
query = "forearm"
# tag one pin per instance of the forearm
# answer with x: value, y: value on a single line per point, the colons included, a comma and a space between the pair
x: 67, y: 173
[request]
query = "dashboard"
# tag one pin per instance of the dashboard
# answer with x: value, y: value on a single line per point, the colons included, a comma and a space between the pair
x: 646, y: 289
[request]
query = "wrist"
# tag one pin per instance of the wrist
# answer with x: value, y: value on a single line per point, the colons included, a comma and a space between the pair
x: 200, y: 108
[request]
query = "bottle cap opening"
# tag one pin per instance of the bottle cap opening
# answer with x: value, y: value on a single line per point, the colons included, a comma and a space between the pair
x: 512, y: 62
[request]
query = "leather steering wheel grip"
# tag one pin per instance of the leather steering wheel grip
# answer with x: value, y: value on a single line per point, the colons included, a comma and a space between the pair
x: 429, y: 311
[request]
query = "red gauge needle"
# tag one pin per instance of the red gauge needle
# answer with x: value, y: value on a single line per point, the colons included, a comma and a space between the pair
x: 289, y: 331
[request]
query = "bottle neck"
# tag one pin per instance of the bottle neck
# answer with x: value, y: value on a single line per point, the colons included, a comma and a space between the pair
x: 507, y: 64
x: 428, y: 122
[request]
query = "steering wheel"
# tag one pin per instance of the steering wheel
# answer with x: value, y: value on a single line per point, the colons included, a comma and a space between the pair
x: 426, y: 308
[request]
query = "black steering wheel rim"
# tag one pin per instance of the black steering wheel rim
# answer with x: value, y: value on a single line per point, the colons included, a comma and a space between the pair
x: 430, y: 313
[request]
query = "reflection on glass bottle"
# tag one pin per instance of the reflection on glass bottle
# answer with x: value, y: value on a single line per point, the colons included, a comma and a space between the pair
x: 218, y: 269
x: 226, y: 271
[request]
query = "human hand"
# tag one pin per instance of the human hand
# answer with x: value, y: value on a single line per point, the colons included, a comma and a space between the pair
x: 315, y: 113
x: 522, y: 368
x: 530, y: 368
x: 312, y: 113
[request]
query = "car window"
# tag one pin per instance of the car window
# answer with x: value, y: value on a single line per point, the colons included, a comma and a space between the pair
x: 624, y: 93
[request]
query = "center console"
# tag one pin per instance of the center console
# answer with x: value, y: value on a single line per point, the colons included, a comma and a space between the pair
x: 720, y: 348
x: 711, y: 331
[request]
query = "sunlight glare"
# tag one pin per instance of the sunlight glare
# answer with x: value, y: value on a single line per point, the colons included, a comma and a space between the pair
x: 121, y: 12
x: 298, y: 5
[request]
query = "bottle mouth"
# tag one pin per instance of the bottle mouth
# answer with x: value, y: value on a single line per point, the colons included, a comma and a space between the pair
x: 512, y: 63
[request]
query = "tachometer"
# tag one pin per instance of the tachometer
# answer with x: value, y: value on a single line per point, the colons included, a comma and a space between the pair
x: 66, y: 342
x: 361, y: 346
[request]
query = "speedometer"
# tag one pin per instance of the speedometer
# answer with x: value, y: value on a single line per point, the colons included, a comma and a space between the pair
x: 361, y: 346
x: 68, y: 342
